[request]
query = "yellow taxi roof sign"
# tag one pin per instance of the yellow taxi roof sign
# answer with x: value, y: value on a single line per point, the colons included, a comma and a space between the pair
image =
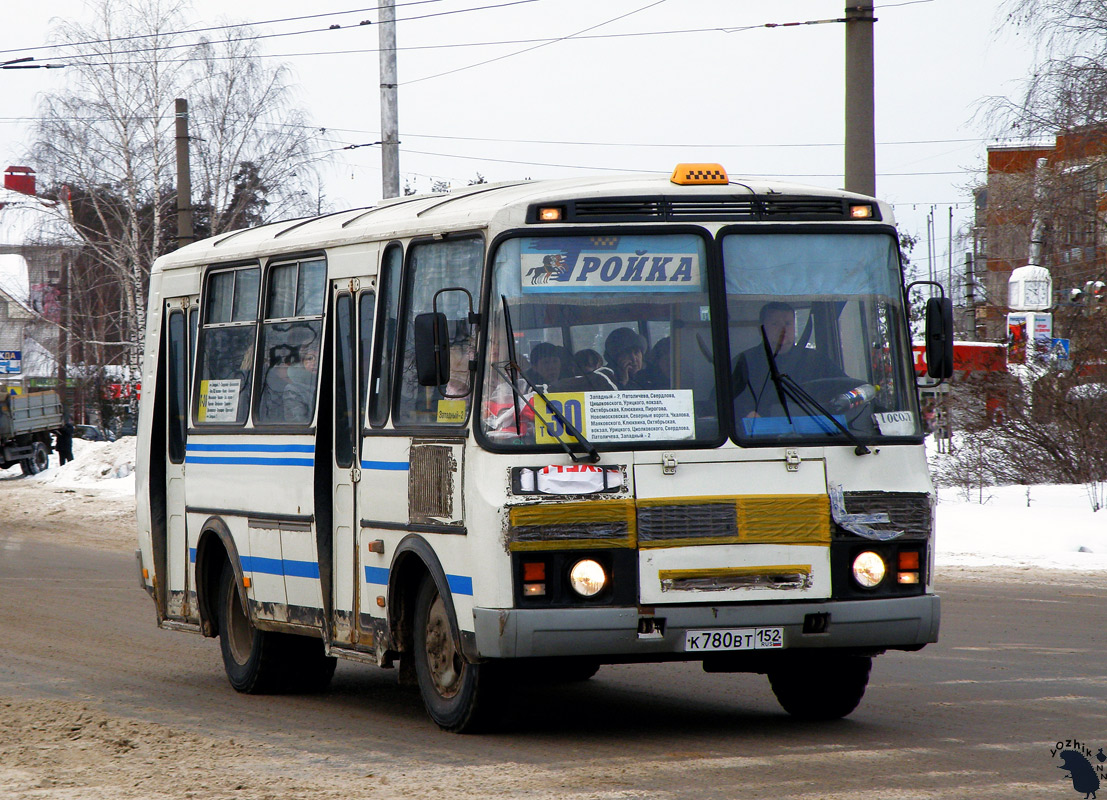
x: 699, y: 174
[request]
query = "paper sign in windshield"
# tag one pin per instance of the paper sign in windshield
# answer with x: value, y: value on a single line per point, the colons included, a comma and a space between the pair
x: 895, y: 423
x: 633, y: 416
x: 611, y: 264
x: 219, y: 400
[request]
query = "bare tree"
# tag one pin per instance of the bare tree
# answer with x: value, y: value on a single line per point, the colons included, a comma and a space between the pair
x: 109, y: 135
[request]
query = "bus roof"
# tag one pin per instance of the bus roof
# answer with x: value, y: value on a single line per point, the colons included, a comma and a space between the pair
x: 505, y: 205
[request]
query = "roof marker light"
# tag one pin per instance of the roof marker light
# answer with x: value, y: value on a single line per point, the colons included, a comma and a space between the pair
x: 699, y: 174
x: 861, y: 212
x: 551, y: 214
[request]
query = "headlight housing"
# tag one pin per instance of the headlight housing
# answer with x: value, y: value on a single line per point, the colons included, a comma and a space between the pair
x: 869, y: 569
x: 587, y: 577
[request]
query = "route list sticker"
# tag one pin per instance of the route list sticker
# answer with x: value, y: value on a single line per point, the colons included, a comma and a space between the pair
x: 219, y: 400
x: 632, y: 416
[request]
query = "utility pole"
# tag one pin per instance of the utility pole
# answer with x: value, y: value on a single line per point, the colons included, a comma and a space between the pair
x: 390, y: 125
x: 860, y: 166
x: 185, y: 232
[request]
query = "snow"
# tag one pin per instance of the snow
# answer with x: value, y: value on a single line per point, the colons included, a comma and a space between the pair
x: 106, y: 468
x: 1043, y: 526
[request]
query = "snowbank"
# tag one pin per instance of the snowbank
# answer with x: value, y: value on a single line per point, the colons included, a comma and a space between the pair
x: 104, y: 467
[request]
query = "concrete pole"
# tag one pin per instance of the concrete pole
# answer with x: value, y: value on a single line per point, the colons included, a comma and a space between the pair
x: 185, y: 232
x: 390, y: 125
x: 860, y: 166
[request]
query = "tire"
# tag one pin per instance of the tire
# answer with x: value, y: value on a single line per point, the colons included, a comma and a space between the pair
x: 263, y: 662
x: 38, y: 461
x: 456, y: 694
x: 821, y: 688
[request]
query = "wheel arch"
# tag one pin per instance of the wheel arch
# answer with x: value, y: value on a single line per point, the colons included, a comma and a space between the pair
x: 214, y: 547
x: 414, y: 557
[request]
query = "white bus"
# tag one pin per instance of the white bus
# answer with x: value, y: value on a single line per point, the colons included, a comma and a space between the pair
x: 527, y: 429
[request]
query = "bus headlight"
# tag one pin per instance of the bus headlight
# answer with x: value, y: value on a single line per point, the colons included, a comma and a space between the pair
x: 869, y: 569
x: 587, y: 578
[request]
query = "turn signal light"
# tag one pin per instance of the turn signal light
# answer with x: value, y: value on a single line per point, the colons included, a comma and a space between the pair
x: 534, y: 578
x: 908, y: 563
x: 908, y: 559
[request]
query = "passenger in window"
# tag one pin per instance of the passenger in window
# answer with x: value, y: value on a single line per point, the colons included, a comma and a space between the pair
x: 545, y: 365
x: 587, y: 361
x: 754, y: 392
x: 299, y: 394
x: 657, y: 373
x: 288, y: 395
x: 624, y: 351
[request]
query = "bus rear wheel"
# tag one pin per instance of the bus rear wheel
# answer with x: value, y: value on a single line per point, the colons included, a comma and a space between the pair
x: 825, y: 688
x: 455, y: 692
x: 260, y: 662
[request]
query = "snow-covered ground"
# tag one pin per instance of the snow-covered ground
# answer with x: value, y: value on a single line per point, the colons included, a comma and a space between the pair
x: 1050, y: 527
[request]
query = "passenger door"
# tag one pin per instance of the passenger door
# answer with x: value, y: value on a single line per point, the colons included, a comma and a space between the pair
x: 177, y: 361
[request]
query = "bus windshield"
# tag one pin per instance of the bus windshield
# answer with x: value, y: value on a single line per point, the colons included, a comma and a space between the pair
x: 823, y: 311
x: 613, y: 330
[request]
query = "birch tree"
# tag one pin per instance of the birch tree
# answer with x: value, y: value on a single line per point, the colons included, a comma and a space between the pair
x: 109, y: 134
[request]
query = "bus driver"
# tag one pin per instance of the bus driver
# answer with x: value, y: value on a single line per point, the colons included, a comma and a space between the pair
x: 753, y: 388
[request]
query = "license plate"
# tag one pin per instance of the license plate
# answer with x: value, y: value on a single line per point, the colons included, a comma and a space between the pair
x: 733, y: 639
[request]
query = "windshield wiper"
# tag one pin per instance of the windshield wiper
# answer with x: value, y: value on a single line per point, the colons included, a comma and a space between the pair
x: 591, y: 455
x: 786, y: 386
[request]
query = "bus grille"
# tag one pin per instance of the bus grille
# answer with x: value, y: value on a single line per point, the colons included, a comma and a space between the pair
x: 909, y: 512
x: 666, y: 523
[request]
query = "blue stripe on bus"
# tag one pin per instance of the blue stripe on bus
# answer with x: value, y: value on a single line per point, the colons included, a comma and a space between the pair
x: 250, y: 448
x: 274, y: 566
x: 252, y: 454
x: 280, y: 566
x: 398, y: 466
x: 459, y: 584
x: 270, y: 462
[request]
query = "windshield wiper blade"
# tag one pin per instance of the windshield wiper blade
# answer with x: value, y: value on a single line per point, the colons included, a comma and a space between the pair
x: 786, y: 386
x: 592, y: 455
x: 774, y: 373
x: 809, y: 403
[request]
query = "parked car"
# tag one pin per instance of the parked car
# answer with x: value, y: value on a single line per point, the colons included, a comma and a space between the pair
x: 92, y: 434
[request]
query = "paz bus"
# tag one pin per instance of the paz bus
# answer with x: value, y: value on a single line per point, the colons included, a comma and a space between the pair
x: 528, y: 429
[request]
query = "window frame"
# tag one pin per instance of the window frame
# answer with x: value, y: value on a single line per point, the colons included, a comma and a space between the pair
x: 476, y: 291
x: 204, y: 329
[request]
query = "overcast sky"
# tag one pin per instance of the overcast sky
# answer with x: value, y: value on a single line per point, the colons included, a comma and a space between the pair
x: 703, y: 80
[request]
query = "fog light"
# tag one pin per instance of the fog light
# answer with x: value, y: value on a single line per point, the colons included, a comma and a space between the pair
x: 869, y: 569
x: 587, y: 578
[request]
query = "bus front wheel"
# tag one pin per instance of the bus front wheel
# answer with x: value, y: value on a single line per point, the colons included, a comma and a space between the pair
x: 824, y: 688
x: 454, y: 691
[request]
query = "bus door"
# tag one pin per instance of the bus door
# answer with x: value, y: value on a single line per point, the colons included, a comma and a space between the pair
x: 344, y: 468
x: 177, y: 363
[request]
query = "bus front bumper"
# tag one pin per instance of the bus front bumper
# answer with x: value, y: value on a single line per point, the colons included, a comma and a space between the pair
x: 894, y: 623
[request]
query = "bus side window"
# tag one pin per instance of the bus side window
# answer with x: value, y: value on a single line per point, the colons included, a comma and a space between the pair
x: 433, y: 266
x: 366, y: 314
x: 291, y: 334
x: 177, y: 386
x: 387, y: 324
x: 226, y: 349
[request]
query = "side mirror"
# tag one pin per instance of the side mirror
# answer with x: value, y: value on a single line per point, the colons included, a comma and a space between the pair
x: 939, y: 338
x: 432, y: 349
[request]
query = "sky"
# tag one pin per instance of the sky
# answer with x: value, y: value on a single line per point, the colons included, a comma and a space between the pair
x: 650, y: 84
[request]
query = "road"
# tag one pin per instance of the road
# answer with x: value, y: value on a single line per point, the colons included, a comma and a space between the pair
x: 97, y: 703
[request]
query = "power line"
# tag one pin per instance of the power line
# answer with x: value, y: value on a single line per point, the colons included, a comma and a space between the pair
x: 535, y: 47
x: 212, y: 28
x: 75, y: 59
